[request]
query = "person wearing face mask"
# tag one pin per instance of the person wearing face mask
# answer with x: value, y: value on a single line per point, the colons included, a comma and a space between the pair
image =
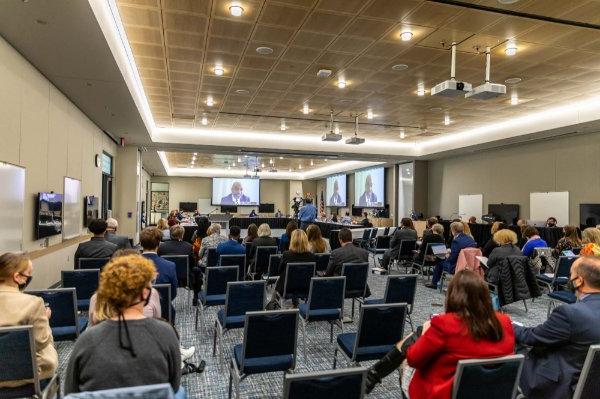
x: 558, y: 347
x: 127, y: 348
x: 18, y: 309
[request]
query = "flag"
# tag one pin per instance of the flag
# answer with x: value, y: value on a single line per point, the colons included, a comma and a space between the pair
x: 322, y: 203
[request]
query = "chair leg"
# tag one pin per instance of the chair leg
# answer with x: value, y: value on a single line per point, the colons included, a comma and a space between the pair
x: 550, y: 306
x: 409, y: 319
x: 331, y: 332
x: 303, y: 338
x: 335, y: 358
x: 215, y: 339
x: 196, y: 319
x: 230, y: 381
x: 352, y: 309
x: 525, y: 303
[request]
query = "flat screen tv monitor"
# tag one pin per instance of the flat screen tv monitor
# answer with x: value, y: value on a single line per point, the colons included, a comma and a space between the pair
x: 229, y: 208
x: 91, y: 211
x: 589, y: 215
x: 335, y: 191
x: 188, y: 206
x: 49, y: 215
x: 235, y: 191
x: 266, y: 208
x: 509, y: 213
x: 357, y: 211
x: 369, y: 188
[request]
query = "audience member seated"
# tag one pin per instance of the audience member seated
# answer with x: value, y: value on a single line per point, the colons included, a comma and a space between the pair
x: 459, y: 242
x: 467, y: 229
x: 212, y: 240
x: 173, y: 218
x: 253, y: 214
x: 345, y: 253
x: 316, y: 243
x: 298, y: 252
x: 201, y: 231
x: 346, y: 219
x: 264, y: 239
x: 97, y: 246
x: 163, y: 226
x: 232, y: 246
x: 491, y: 244
x: 568, y: 242
x: 470, y: 328
x: 404, y: 233
x: 127, y: 348
x: 551, y: 222
x: 334, y: 218
x: 430, y: 222
x: 284, y: 241
x: 590, y: 239
x: 20, y: 309
x: 278, y: 214
x: 473, y: 220
x: 559, y: 346
x: 176, y: 245
x: 365, y: 222
x: 122, y: 242
x: 522, y: 226
x: 506, y: 241
x: 251, y: 235
x: 167, y: 273
x: 533, y: 241
x: 434, y: 236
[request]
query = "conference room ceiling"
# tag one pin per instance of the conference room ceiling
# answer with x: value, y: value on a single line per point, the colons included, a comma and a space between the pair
x: 178, y: 43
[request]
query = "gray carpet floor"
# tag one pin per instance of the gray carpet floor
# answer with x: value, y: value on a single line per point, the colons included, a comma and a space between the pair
x: 213, y: 383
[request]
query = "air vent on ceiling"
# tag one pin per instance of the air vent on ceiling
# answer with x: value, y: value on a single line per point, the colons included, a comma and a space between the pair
x: 184, y: 116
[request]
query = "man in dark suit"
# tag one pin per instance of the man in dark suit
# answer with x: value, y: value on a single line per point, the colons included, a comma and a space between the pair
x: 460, y: 241
x: 232, y: 246
x: 150, y: 239
x: 97, y: 246
x: 346, y: 253
x: 176, y: 245
x: 430, y: 222
x: 368, y: 198
x: 122, y: 242
x: 237, y: 196
x: 559, y: 346
x: 404, y: 233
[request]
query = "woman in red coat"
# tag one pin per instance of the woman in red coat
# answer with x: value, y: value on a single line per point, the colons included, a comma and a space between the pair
x: 469, y: 329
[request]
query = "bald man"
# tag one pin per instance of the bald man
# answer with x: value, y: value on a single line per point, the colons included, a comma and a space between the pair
x: 559, y: 346
x: 237, y: 196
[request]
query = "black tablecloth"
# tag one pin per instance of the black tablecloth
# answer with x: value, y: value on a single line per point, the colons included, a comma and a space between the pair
x: 274, y: 223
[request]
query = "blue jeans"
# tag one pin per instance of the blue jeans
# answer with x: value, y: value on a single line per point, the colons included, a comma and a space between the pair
x: 439, y: 268
x: 181, y: 394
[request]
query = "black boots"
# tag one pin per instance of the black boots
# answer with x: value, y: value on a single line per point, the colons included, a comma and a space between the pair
x: 390, y: 362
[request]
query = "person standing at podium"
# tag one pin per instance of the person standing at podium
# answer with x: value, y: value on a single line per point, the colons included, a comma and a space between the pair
x: 307, y: 214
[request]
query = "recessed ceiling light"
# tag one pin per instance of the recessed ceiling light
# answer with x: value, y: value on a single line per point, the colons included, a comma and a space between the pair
x: 435, y: 109
x: 233, y: 164
x: 399, y: 67
x: 283, y: 126
x: 300, y: 167
x: 290, y: 169
x: 406, y: 36
x: 305, y: 109
x: 312, y: 163
x: 271, y: 161
x: 263, y: 50
x: 511, y: 49
x: 402, y: 134
x: 236, y: 10
x: 325, y: 160
x: 420, y: 89
x: 262, y: 165
x: 280, y: 157
x: 219, y: 70
x: 514, y: 99
x: 341, y: 83
x: 229, y: 167
x: 336, y: 129
x: 513, y: 81
x: 447, y: 120
x: 204, y: 121
x: 194, y: 154
x: 242, y: 91
x: 369, y: 114
x: 209, y: 101
x: 239, y: 159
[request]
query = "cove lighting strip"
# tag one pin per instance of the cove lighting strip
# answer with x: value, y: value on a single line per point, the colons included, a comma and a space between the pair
x: 108, y: 18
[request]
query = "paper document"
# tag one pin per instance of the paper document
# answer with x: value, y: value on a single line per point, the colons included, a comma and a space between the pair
x: 482, y: 259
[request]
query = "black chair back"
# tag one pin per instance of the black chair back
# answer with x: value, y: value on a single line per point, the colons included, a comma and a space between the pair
x: 92, y: 263
x: 373, y: 233
x: 164, y: 292
x: 322, y: 261
x: 274, y: 262
x: 182, y: 268
x: 261, y: 258
x: 63, y: 302
x: 297, y: 279
x: 401, y: 289
x: 85, y: 282
x: 487, y: 378
x: 212, y: 258
x: 235, y: 260
x: 406, y: 249
x: 19, y: 362
x: 356, y: 279
x: 381, y: 325
x: 327, y: 293
x: 217, y: 278
x: 346, y: 383
x: 245, y: 296
x: 386, y: 231
x: 588, y: 386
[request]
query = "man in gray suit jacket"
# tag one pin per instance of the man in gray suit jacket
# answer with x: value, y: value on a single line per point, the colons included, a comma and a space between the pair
x: 404, y: 233
x: 122, y: 242
x: 559, y: 346
x: 97, y: 247
x: 346, y: 253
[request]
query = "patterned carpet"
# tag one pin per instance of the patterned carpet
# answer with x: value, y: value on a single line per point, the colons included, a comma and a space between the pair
x: 213, y: 383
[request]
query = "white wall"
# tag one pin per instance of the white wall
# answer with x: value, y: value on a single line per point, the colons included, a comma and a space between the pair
x: 41, y: 130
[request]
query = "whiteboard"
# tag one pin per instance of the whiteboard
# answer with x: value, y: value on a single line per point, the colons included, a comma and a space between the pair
x: 72, y: 208
x: 470, y: 205
x: 552, y: 203
x: 12, y: 198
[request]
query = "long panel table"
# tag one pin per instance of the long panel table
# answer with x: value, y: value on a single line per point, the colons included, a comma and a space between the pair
x: 274, y: 223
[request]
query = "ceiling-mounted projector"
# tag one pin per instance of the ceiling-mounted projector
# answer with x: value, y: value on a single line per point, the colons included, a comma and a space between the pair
x: 255, y: 177
x: 451, y: 87
x: 487, y: 90
x: 331, y: 136
x: 247, y: 175
x: 355, y: 140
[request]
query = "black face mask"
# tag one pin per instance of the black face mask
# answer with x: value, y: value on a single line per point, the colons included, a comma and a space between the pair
x: 26, y: 283
x: 570, y: 286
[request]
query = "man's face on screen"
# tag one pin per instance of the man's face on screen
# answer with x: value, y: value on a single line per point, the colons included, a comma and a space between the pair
x: 368, y: 184
x: 236, y: 189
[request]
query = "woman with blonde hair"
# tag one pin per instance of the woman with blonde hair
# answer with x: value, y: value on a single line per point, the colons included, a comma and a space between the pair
x: 316, y: 242
x: 163, y: 226
x: 299, y: 252
x: 20, y: 309
x: 127, y: 348
x: 506, y: 240
x: 590, y: 238
x: 491, y: 244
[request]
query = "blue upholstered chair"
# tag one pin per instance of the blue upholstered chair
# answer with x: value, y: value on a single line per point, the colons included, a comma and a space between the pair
x: 162, y: 391
x: 273, y: 269
x: 380, y: 327
x: 164, y: 290
x: 182, y: 269
x: 92, y: 263
x: 269, y: 345
x: 235, y: 260
x: 399, y: 289
x: 261, y: 260
x: 588, y: 386
x: 561, y: 275
x: 325, y: 303
x: 487, y: 378
x: 405, y: 254
x: 85, y: 282
x: 212, y: 258
x: 241, y: 297
x: 297, y: 280
x: 322, y: 261
x: 215, y: 288
x: 19, y: 362
x: 356, y: 281
x: 347, y: 383
x: 65, y: 323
